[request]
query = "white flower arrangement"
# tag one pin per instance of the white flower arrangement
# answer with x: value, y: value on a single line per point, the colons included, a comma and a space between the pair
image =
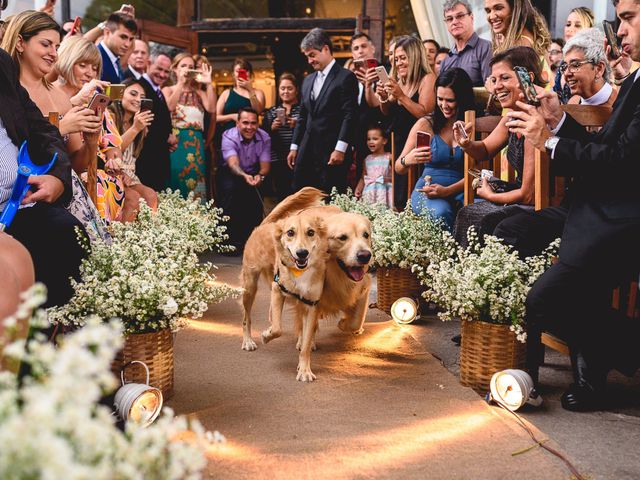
x: 398, y: 239
x: 51, y: 425
x: 488, y: 283
x: 150, y: 275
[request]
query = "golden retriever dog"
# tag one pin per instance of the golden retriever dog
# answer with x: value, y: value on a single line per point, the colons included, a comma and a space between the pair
x: 339, y: 283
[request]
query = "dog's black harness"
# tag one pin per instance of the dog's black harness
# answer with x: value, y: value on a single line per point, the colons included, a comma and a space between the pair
x: 276, y: 278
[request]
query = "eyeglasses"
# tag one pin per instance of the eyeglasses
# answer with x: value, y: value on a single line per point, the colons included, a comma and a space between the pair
x: 573, y: 66
x: 554, y: 52
x: 458, y: 17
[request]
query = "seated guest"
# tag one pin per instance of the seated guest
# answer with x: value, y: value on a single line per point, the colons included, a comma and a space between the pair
x: 492, y: 206
x: 133, y: 123
x: 119, y: 32
x: 282, y: 134
x: 599, y: 244
x: 587, y: 72
x: 17, y: 276
x: 470, y: 52
x: 43, y: 226
x: 439, y: 190
x: 246, y: 159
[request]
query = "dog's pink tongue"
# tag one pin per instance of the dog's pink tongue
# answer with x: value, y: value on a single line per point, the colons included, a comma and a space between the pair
x: 356, y: 273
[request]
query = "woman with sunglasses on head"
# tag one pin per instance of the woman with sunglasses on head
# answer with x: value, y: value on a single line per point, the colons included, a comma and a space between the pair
x: 492, y: 206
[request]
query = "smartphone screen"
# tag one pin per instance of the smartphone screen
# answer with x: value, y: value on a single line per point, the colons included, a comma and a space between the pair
x: 526, y: 85
x: 243, y: 74
x: 423, y: 139
x: 146, y: 104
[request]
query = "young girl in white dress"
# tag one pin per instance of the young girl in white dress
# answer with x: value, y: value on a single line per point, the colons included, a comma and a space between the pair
x: 375, y: 185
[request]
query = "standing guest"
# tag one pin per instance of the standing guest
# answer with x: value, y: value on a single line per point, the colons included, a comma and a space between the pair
x: 431, y: 48
x: 119, y: 32
x: 442, y: 54
x: 152, y: 165
x: 368, y: 113
x: 599, y: 246
x: 554, y: 54
x: 133, y: 123
x: 439, y: 190
x: 407, y: 96
x: 518, y: 23
x: 579, y: 18
x: 138, y: 60
x: 327, y: 119
x: 282, y: 133
x: 375, y: 184
x: 43, y: 225
x: 188, y: 103
x: 209, y: 128
x: 242, y: 94
x: 470, y: 52
x: 492, y: 207
x: 246, y: 159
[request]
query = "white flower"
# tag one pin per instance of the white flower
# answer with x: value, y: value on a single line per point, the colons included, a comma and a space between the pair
x: 170, y: 307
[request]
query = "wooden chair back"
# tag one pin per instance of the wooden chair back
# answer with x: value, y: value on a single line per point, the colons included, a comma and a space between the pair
x: 481, y: 128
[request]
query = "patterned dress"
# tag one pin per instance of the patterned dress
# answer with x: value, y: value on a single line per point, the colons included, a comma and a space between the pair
x: 377, y: 180
x: 110, y: 185
x: 188, y: 166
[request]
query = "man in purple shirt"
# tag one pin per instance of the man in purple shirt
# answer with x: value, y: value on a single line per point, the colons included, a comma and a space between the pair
x: 246, y: 160
x: 470, y: 52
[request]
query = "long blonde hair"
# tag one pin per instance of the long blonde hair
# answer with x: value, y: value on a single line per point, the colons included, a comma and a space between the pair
x: 417, y: 60
x: 176, y: 61
x: 524, y: 16
x: 26, y: 25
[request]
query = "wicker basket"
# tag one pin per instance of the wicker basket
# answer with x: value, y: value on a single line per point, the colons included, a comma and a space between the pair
x: 156, y: 350
x: 486, y: 349
x: 393, y: 283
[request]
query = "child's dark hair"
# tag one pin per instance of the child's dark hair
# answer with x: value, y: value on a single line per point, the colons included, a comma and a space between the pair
x: 379, y: 128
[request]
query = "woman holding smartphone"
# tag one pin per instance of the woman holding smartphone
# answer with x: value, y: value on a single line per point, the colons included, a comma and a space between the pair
x: 492, y: 207
x: 279, y: 122
x: 242, y: 94
x: 188, y: 103
x: 439, y: 190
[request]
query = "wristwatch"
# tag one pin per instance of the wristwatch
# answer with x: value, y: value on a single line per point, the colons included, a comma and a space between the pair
x: 262, y: 177
x: 550, y: 143
x: 402, y: 161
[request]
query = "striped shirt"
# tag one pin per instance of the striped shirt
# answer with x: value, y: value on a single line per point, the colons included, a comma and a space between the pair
x: 8, y: 165
x: 282, y: 137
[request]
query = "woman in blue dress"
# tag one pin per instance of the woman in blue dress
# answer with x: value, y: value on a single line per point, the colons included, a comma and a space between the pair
x: 439, y: 190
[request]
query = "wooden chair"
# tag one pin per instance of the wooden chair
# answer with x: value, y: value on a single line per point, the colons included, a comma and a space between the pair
x: 624, y: 297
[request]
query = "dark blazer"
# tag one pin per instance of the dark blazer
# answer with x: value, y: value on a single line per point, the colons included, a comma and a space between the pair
x: 605, y: 195
x: 152, y: 166
x: 331, y: 117
x: 109, y: 73
x: 24, y: 121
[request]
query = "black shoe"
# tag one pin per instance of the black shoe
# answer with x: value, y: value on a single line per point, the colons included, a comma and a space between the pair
x: 582, y: 398
x: 456, y: 339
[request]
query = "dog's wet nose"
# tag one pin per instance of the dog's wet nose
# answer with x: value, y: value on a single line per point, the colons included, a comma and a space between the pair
x: 363, y: 257
x: 302, y: 253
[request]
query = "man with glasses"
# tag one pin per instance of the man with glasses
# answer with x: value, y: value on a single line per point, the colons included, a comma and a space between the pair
x: 470, y: 52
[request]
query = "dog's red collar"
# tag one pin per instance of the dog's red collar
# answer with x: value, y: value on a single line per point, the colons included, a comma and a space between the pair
x: 306, y: 301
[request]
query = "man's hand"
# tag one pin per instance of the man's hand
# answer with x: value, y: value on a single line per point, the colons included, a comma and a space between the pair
x: 530, y: 123
x: 172, y: 141
x: 484, y: 190
x: 252, y: 180
x: 291, y: 158
x: 360, y: 75
x: 550, y: 108
x: 621, y: 66
x: 44, y: 188
x: 336, y: 158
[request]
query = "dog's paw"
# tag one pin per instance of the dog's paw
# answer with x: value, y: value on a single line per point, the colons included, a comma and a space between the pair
x: 345, y: 327
x: 249, y: 345
x: 268, y: 335
x: 305, y: 374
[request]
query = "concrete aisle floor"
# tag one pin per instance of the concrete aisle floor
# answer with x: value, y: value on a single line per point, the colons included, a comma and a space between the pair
x: 382, y: 407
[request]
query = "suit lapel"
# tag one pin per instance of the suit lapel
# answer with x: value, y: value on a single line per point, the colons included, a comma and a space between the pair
x: 628, y: 93
x: 327, y: 83
x: 308, y: 89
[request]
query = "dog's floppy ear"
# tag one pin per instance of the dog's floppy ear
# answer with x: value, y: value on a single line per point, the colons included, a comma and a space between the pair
x: 320, y: 226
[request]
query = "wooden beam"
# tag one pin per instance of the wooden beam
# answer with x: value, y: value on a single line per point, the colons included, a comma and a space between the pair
x: 332, y: 25
x: 373, y: 11
x: 185, y: 12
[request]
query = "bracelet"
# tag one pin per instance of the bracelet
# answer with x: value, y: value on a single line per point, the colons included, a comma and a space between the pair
x: 402, y: 161
x: 620, y: 81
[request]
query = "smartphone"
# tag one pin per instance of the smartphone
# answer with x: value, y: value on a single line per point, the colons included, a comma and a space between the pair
x: 146, y: 104
x: 75, y: 28
x: 192, y: 74
x: 371, y: 62
x: 526, y: 85
x: 359, y: 64
x: 281, y: 115
x: 612, y: 40
x: 243, y: 74
x: 423, y: 139
x: 382, y: 74
x: 98, y: 103
x: 459, y: 126
x: 115, y: 91
x: 127, y: 9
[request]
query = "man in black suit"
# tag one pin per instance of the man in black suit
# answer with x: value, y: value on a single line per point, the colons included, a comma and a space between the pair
x: 45, y: 227
x: 152, y: 165
x: 601, y: 237
x: 327, y: 119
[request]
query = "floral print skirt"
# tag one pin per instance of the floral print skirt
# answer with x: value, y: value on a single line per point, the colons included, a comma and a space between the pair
x: 188, y: 167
